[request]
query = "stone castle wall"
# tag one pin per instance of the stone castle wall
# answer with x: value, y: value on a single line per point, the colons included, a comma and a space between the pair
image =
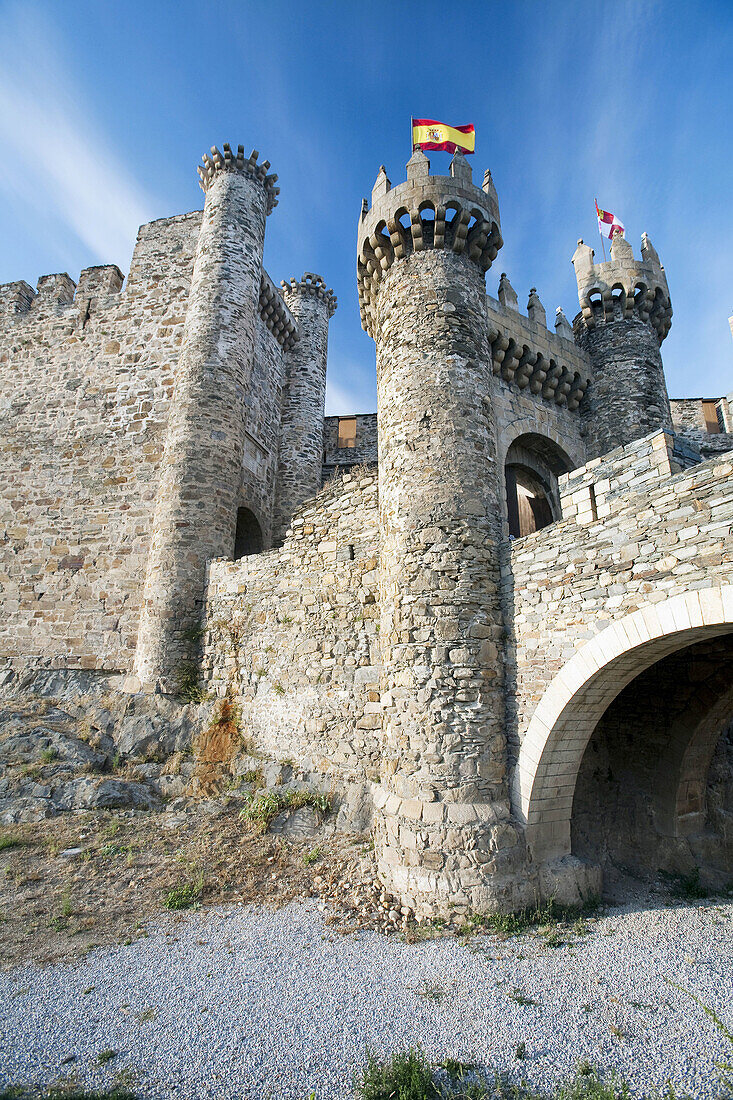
x: 294, y: 634
x: 85, y: 387
x: 643, y: 535
x: 364, y: 453
x: 87, y: 380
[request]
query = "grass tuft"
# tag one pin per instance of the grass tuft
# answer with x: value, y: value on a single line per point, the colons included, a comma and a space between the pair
x: 7, y: 842
x: 189, y: 684
x: 524, y: 920
x: 185, y: 896
x: 402, y: 1076
x: 685, y: 887
x: 262, y: 808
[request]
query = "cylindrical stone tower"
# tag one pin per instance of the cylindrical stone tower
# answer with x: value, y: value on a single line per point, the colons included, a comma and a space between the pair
x: 300, y: 461
x: 444, y: 838
x: 201, y: 471
x: 625, y: 315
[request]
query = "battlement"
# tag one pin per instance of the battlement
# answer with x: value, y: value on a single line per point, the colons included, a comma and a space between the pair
x: 527, y: 355
x: 424, y: 212
x: 57, y: 292
x: 623, y: 286
x: 275, y: 313
x: 237, y: 162
x: 313, y: 285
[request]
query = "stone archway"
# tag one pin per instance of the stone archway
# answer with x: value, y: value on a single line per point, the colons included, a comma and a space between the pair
x: 645, y: 797
x: 566, y: 716
x: 533, y: 459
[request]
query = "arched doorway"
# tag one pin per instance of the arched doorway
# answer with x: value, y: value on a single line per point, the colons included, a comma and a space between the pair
x: 566, y: 718
x: 532, y: 466
x: 248, y: 538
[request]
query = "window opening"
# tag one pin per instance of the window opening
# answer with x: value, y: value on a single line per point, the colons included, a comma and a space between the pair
x: 346, y: 432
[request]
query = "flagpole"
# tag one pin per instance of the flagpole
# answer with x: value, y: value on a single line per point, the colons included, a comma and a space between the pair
x: 603, y: 243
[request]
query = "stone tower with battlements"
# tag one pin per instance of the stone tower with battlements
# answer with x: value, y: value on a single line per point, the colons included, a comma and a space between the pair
x: 300, y: 465
x: 625, y: 314
x: 200, y: 479
x: 444, y: 824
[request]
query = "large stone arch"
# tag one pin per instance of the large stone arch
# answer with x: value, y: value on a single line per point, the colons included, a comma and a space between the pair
x: 571, y: 706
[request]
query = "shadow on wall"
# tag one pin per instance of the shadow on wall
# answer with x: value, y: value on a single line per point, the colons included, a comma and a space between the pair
x: 652, y: 789
x: 248, y: 538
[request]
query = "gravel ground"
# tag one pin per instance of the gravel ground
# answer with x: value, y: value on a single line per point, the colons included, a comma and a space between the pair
x: 242, y: 1002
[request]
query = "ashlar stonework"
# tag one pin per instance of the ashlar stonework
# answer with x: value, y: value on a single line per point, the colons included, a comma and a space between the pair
x: 496, y: 616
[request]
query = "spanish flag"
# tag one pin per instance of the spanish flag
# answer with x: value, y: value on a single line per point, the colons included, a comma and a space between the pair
x: 429, y: 134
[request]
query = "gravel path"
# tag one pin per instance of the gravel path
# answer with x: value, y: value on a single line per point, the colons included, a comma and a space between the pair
x: 247, y: 1003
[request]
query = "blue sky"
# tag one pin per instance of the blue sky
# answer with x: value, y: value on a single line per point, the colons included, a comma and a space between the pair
x: 106, y: 108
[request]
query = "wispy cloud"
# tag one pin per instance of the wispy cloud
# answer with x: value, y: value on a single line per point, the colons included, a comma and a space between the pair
x: 344, y: 398
x: 60, y: 161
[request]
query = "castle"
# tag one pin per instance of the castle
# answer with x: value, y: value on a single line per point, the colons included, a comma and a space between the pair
x: 501, y: 609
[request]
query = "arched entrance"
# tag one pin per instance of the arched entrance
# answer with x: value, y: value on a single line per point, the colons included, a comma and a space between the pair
x: 581, y: 693
x: 248, y: 538
x: 645, y: 798
x: 532, y: 466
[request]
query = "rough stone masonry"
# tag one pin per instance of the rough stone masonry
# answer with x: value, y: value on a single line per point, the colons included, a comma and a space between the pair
x: 469, y: 628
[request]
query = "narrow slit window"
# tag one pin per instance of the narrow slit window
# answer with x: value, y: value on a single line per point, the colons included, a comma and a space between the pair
x: 347, y: 432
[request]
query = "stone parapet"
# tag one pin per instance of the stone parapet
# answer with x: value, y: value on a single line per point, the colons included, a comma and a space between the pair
x: 276, y: 315
x: 313, y: 285
x: 424, y: 212
x: 237, y: 162
x: 623, y: 286
x: 58, y: 296
x: 587, y: 494
x: 526, y: 355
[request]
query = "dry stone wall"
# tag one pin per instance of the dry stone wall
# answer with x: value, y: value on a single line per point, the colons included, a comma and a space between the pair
x: 294, y: 634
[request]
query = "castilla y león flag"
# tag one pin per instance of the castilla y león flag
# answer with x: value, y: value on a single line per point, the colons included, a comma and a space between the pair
x: 429, y: 134
x: 608, y: 223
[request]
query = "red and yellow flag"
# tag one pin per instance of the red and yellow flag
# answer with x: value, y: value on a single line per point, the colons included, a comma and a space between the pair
x: 429, y: 134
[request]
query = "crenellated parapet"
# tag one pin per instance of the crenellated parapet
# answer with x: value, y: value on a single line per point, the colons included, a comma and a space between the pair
x: 57, y: 293
x: 312, y: 284
x: 526, y: 355
x: 623, y: 286
x: 425, y: 212
x: 228, y: 161
x: 15, y: 299
x: 276, y: 315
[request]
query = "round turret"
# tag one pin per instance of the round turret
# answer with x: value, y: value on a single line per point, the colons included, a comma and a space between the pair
x: 443, y: 808
x: 426, y: 212
x: 300, y: 458
x: 202, y: 470
x: 625, y: 315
